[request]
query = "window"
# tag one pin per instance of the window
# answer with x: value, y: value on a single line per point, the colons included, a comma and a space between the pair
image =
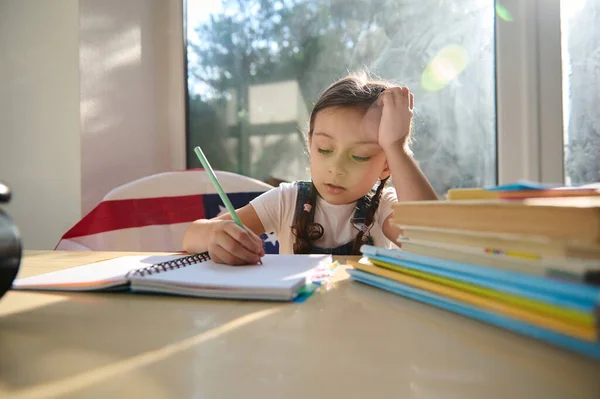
x: 256, y: 67
x: 581, y: 90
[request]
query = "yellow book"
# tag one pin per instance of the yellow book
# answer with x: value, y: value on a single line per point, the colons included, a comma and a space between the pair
x: 457, y: 194
x: 568, y: 315
x: 588, y: 333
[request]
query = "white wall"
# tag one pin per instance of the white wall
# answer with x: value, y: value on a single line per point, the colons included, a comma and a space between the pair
x: 39, y: 116
x: 132, y: 92
x: 91, y: 97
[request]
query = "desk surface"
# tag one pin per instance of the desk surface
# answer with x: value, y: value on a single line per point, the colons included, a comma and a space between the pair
x: 348, y: 341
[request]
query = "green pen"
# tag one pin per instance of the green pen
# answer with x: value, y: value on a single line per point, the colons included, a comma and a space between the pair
x: 220, y: 191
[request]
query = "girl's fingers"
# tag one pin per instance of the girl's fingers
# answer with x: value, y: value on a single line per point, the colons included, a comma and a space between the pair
x: 260, y: 245
x: 258, y: 242
x: 404, y: 92
x: 222, y: 255
x: 245, y: 238
x: 387, y: 98
x: 215, y: 258
x: 396, y: 96
x: 233, y: 246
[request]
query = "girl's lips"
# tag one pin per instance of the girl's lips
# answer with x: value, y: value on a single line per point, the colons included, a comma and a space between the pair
x: 332, y: 189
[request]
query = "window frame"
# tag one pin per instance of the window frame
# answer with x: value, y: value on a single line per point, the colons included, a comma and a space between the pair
x: 529, y: 93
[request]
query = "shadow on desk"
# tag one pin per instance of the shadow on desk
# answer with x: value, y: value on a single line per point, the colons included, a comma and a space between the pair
x: 350, y: 341
x: 85, y: 340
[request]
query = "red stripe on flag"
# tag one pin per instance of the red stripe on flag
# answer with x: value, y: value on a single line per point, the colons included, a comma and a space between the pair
x: 139, y: 212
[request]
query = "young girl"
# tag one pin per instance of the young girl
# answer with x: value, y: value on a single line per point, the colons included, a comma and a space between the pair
x: 358, y: 136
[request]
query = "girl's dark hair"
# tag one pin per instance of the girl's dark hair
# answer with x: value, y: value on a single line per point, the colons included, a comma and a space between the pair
x: 356, y: 91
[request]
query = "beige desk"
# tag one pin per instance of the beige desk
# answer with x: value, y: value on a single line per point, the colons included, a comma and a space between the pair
x: 352, y: 341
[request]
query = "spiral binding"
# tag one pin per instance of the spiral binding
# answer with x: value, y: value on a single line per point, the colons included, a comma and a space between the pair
x: 170, y: 265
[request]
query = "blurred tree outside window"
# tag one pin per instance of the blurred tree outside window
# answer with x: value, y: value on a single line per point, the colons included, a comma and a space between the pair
x: 581, y: 89
x: 256, y: 67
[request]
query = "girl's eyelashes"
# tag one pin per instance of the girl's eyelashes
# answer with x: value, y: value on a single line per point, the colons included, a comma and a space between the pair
x: 354, y: 157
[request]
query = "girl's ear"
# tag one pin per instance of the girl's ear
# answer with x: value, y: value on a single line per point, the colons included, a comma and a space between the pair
x: 386, y: 172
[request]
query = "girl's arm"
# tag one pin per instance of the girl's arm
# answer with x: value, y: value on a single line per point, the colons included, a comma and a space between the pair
x: 394, y: 128
x: 225, y: 241
x: 390, y: 230
x: 410, y: 182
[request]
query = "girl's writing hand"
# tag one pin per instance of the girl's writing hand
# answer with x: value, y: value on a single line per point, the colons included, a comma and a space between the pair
x: 396, y: 115
x: 232, y: 245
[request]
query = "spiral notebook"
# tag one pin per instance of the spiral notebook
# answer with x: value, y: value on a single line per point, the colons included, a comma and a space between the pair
x: 280, y: 277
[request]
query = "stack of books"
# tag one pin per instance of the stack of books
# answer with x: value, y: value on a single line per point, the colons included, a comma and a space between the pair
x: 528, y: 264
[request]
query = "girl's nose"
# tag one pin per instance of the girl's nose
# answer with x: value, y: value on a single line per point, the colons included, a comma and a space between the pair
x: 337, y: 167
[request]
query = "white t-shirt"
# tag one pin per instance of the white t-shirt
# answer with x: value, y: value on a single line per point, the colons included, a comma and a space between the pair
x: 276, y: 209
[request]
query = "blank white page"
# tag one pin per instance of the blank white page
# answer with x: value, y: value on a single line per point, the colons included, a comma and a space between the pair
x: 90, y: 276
x: 277, y: 271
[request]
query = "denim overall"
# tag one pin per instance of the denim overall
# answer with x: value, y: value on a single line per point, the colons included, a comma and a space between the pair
x: 358, y: 220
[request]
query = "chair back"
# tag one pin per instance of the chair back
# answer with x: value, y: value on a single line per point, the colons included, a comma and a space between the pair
x: 153, y: 212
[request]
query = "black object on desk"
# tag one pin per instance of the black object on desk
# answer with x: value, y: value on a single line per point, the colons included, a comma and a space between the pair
x: 10, y: 245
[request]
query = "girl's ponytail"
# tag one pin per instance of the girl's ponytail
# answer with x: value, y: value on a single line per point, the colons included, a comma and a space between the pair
x: 304, y: 231
x: 359, y: 240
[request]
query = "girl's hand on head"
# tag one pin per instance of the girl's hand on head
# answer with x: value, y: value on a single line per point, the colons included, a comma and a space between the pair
x: 232, y: 245
x: 397, y: 111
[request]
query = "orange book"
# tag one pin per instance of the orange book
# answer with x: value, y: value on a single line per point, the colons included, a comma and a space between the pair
x: 457, y: 194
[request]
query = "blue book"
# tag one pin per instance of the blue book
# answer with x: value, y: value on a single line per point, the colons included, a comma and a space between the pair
x: 568, y: 294
x: 590, y: 349
x: 522, y: 185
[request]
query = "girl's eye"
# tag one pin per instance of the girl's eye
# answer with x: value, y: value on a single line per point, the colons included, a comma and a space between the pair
x: 322, y: 151
x: 360, y: 159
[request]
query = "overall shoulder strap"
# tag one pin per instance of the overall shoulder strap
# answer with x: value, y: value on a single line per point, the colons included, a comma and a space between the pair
x: 362, y: 207
x: 360, y: 216
x: 304, y: 187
